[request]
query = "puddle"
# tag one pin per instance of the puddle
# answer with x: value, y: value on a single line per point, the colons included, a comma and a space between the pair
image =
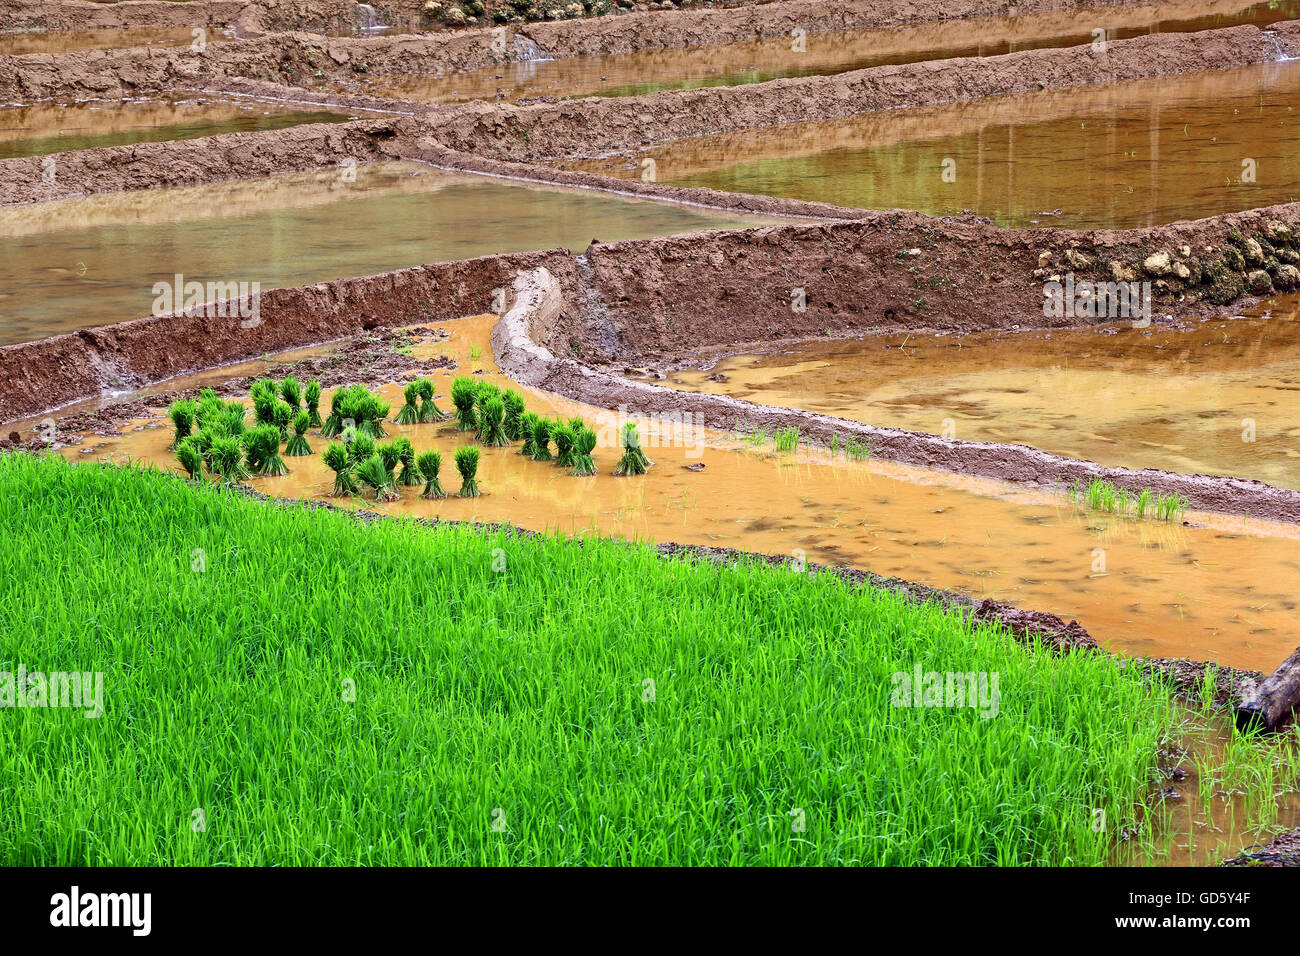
x: 1181, y: 401
x: 770, y: 58
x: 45, y: 129
x: 67, y: 41
x: 1219, y: 592
x: 1119, y: 156
x: 83, y: 262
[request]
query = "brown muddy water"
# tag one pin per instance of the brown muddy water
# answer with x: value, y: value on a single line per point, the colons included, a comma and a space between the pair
x: 67, y: 41
x: 819, y: 54
x: 55, y: 128
x: 1222, y: 589
x: 1221, y: 397
x: 1122, y: 155
x: 78, y: 263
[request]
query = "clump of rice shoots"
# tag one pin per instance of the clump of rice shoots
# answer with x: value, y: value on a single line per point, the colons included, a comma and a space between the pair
x: 374, y: 475
x: 430, y: 463
x: 207, y: 407
x: 291, y: 392
x: 584, y: 442
x: 410, y: 474
x: 410, y: 413
x: 297, y: 445
x: 337, y: 460
x: 226, y: 458
x: 565, y: 444
x: 283, y: 418
x: 264, y: 403
x: 263, y: 444
x: 464, y: 392
x: 370, y: 414
x: 190, y: 457
x: 231, y: 419
x: 491, y: 423
x: 333, y: 426
x: 311, y: 397
x: 541, y: 439
x: 182, y: 416
x: 390, y: 453
x: 360, y: 446
x: 429, y: 410
x: 467, y: 465
x: 527, y: 422
x: 513, y: 423
x: 787, y: 439
x: 634, y: 460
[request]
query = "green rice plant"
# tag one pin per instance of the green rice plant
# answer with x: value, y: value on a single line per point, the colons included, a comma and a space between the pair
x: 203, y: 440
x: 513, y: 423
x: 360, y: 447
x: 467, y: 465
x: 333, y: 426
x: 584, y: 444
x: 337, y: 460
x: 565, y: 444
x: 264, y: 403
x: 576, y: 423
x: 291, y: 392
x: 430, y: 463
x: 857, y: 450
x: 836, y: 443
x: 182, y: 416
x: 410, y: 474
x: 297, y: 446
x: 491, y: 423
x: 283, y: 418
x: 262, y: 444
x: 390, y: 453
x: 541, y: 439
x: 207, y: 407
x: 1101, y: 495
x: 226, y: 458
x: 371, y: 410
x: 190, y: 457
x: 787, y: 439
x: 312, y: 400
x: 634, y: 460
x: 410, y: 413
x: 756, y: 436
x: 231, y: 420
x: 1145, y: 501
x: 429, y: 410
x: 527, y: 425
x: 464, y: 391
x: 1171, y: 507
x: 376, y: 476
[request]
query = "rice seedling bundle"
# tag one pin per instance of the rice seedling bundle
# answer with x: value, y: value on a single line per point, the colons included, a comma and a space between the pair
x: 190, y: 457
x: 430, y: 463
x: 370, y: 414
x: 527, y: 422
x: 312, y: 399
x: 337, y: 460
x: 410, y: 474
x: 565, y: 443
x: 634, y: 460
x: 584, y: 444
x: 464, y: 392
x: 283, y: 418
x: 360, y: 446
x: 226, y: 458
x: 263, y: 445
x: 467, y: 465
x: 333, y: 426
x: 297, y: 445
x: 429, y: 410
x: 410, y: 413
x: 513, y: 423
x: 541, y: 439
x: 374, y: 474
x: 491, y: 423
x: 291, y: 392
x: 263, y: 407
x: 182, y: 416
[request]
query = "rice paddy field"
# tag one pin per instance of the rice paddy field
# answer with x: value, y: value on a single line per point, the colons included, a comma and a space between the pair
x: 639, y: 435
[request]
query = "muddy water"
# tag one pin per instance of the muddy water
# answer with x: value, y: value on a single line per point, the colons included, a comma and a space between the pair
x: 1122, y: 155
x: 769, y: 58
x: 1180, y: 400
x: 78, y: 263
x: 1223, y: 591
x: 66, y: 41
x: 45, y: 129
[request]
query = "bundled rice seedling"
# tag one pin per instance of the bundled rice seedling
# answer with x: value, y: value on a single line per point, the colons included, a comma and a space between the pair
x: 231, y: 420
x: 491, y: 423
x: 542, y: 439
x: 375, y: 475
x: 297, y: 445
x: 787, y: 439
x: 584, y: 444
x: 182, y: 415
x: 410, y: 474
x: 283, y: 418
x: 291, y: 392
x: 565, y: 444
x: 333, y: 425
x: 430, y: 463
x: 429, y: 410
x: 263, y: 448
x: 207, y: 407
x: 390, y: 453
x: 513, y: 423
x: 226, y: 458
x: 312, y: 399
x: 371, y: 411
x: 360, y: 446
x: 337, y: 460
x: 527, y: 424
x: 634, y: 460
x: 467, y: 465
x: 190, y: 457
x: 264, y: 402
x: 464, y: 393
x: 410, y: 413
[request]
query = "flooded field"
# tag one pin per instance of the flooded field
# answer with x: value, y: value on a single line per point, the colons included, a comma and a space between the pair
x: 1218, y: 398
x: 66, y: 41
x: 78, y: 263
x: 1125, y: 155
x: 45, y: 129
x: 1217, y: 591
x: 819, y: 54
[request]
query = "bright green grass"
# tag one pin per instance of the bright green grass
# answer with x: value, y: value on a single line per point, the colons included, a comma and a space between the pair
x: 521, y: 689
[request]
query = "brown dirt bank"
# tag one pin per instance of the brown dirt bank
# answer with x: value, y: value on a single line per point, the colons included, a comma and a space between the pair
x: 85, y: 15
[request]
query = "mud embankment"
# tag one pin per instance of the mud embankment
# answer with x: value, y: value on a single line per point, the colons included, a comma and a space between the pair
x: 86, y: 15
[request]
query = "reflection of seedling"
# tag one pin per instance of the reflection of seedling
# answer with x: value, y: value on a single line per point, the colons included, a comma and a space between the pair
x: 634, y: 460
x: 787, y: 439
x: 584, y: 444
x: 430, y: 463
x: 182, y: 416
x: 336, y: 459
x: 475, y: 352
x: 410, y: 413
x: 297, y: 445
x: 467, y: 465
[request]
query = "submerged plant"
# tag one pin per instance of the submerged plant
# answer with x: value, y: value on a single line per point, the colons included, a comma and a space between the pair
x: 410, y: 474
x: 429, y: 410
x: 634, y: 460
x: 467, y: 465
x: 565, y: 440
x: 491, y: 421
x: 336, y: 459
x: 464, y: 392
x: 182, y: 416
x: 430, y: 463
x: 584, y: 443
x: 513, y: 423
x: 410, y: 413
x: 377, y: 477
x: 297, y: 445
x: 527, y: 422
x: 291, y: 393
x: 312, y: 399
x: 541, y: 439
x: 226, y: 458
x: 190, y: 457
x: 263, y: 446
